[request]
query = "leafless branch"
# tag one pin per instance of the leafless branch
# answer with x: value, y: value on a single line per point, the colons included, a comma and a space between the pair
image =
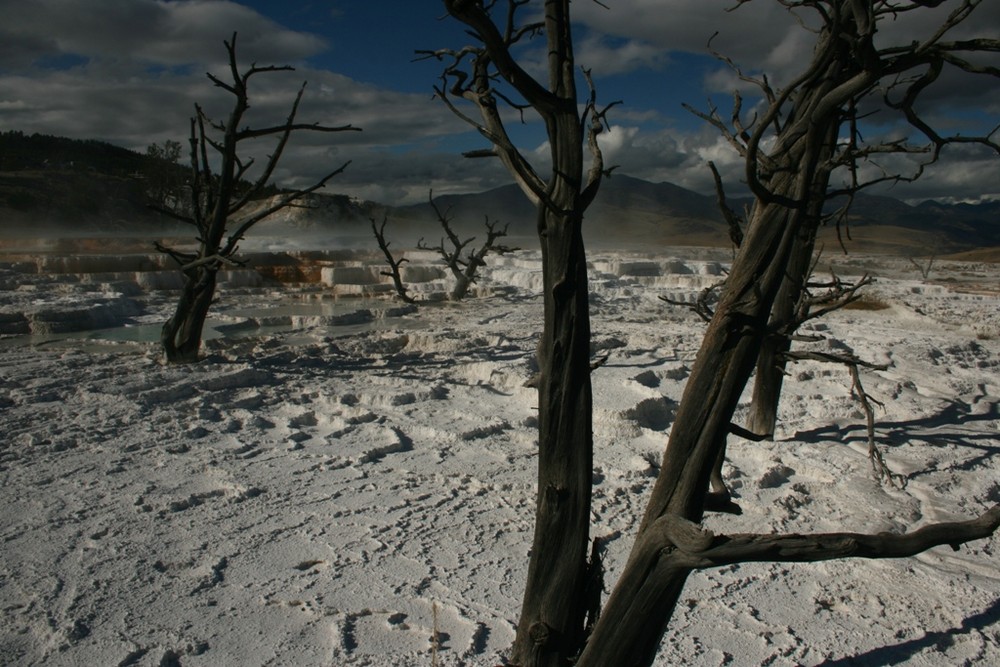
x: 464, y: 265
x: 394, y: 264
x: 879, y: 466
x: 702, y: 305
x: 838, y: 294
x: 596, y: 125
x: 182, y: 258
x: 732, y: 220
x: 865, y: 400
x: 695, y: 547
x: 924, y: 269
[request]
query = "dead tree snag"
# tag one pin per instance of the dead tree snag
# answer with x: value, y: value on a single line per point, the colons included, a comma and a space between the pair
x: 789, y: 180
x: 464, y: 265
x: 484, y: 76
x: 394, y: 264
x: 220, y: 210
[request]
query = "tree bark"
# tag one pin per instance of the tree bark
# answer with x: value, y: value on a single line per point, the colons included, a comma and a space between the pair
x: 554, y: 607
x: 785, y: 315
x: 652, y: 580
x: 770, y: 374
x: 182, y: 333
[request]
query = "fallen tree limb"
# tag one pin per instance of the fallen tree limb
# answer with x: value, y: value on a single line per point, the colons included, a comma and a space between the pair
x: 689, y: 544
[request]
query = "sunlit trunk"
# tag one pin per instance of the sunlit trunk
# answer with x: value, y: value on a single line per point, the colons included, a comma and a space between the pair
x: 181, y: 334
x: 771, y: 363
x: 636, y: 615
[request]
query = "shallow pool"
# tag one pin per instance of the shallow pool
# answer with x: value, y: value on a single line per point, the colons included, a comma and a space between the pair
x: 326, y: 318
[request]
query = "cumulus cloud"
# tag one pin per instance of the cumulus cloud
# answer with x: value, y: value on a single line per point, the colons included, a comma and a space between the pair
x: 130, y: 72
x: 669, y: 155
x: 963, y: 173
x: 764, y: 38
x: 130, y: 32
x: 149, y: 94
x: 688, y: 25
x: 606, y: 56
x: 759, y: 36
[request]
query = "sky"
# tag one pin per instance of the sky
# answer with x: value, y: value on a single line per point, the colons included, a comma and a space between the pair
x: 130, y: 72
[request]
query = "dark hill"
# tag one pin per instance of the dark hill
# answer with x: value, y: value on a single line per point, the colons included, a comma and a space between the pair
x: 633, y: 213
x: 627, y: 211
x: 53, y: 185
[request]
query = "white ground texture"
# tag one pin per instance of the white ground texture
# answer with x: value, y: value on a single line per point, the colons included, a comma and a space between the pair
x: 323, y: 494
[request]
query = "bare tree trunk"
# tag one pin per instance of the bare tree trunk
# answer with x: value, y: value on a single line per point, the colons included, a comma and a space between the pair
x: 771, y: 363
x: 463, y: 279
x: 785, y: 317
x: 181, y: 334
x: 551, y: 627
x: 460, y: 289
x: 635, y: 617
x: 554, y: 606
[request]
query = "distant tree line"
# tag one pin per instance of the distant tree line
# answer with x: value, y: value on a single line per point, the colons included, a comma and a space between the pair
x: 160, y: 169
x: 20, y: 151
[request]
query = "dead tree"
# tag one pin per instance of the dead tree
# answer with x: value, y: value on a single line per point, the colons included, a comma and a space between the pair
x: 670, y: 544
x: 395, y: 265
x: 220, y: 202
x: 893, y: 76
x: 795, y: 304
x: 465, y: 265
x: 925, y: 268
x: 776, y: 346
x: 485, y: 76
x: 163, y: 175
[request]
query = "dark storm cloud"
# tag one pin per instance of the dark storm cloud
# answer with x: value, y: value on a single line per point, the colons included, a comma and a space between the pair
x: 129, y: 32
x: 18, y: 49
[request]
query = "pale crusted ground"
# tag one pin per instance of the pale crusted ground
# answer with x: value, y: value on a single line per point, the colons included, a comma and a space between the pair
x: 319, y: 497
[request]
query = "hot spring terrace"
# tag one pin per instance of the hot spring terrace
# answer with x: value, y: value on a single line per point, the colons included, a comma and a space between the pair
x: 46, y: 293
x: 52, y: 292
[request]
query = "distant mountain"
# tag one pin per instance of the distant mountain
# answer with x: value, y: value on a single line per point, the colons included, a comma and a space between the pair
x: 630, y: 212
x: 926, y: 228
x: 636, y: 212
x: 54, y: 185
x: 627, y: 211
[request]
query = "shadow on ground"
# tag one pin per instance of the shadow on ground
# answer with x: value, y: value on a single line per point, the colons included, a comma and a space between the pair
x: 899, y: 653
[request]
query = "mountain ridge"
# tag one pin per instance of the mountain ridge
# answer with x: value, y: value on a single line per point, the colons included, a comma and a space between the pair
x: 643, y: 212
x: 53, y: 185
